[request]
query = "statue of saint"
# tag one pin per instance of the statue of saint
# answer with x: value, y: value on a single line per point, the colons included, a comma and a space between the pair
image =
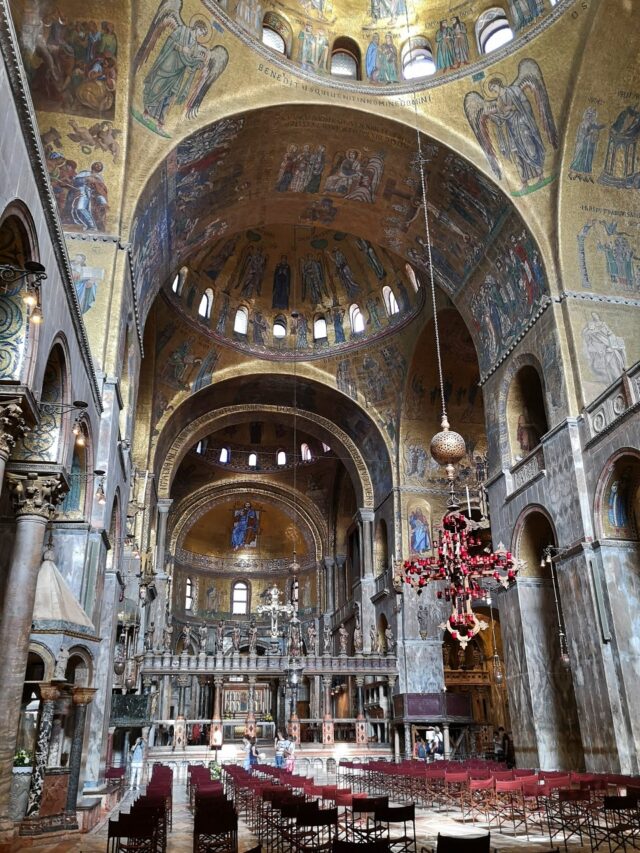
x: 375, y: 642
x: 253, y: 637
x: 294, y: 638
x: 312, y: 640
x: 148, y: 638
x: 343, y: 636
x: 388, y: 635
x: 60, y: 671
x: 220, y: 637
x: 167, y: 635
x: 357, y: 637
x: 235, y: 638
x: 326, y: 640
x: 203, y: 634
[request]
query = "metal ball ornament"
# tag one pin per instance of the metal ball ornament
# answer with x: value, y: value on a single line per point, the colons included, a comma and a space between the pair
x: 447, y: 447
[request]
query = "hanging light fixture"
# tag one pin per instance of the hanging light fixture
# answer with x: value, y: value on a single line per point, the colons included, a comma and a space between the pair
x: 498, y: 675
x: 548, y: 558
x: 462, y: 561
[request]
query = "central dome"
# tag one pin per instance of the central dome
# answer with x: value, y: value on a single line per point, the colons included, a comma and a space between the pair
x: 296, y: 290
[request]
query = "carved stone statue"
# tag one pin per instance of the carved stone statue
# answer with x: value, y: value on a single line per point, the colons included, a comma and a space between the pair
x: 326, y: 640
x: 253, y: 637
x: 357, y: 637
x: 423, y: 621
x: 294, y: 638
x: 375, y: 641
x: 60, y: 670
x: 167, y: 635
x: 148, y: 638
x: 343, y: 636
x: 312, y: 640
x: 235, y: 638
x: 186, y: 638
x: 389, y: 639
x: 212, y: 598
x: 203, y: 634
x: 220, y: 637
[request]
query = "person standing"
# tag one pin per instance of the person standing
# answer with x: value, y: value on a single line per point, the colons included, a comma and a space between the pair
x: 280, y: 747
x: 137, y: 763
x: 253, y: 752
x: 289, y: 755
x: 246, y: 745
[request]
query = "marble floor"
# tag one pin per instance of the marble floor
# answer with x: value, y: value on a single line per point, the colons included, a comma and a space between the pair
x: 428, y: 825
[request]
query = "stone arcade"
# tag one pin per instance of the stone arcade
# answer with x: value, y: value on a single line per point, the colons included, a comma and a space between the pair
x: 219, y: 384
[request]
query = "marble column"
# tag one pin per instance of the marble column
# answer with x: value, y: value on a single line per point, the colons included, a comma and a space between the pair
x: 82, y: 696
x: 12, y: 427
x: 446, y: 741
x: 361, y: 724
x: 48, y: 695
x: 218, y: 683
x: 162, y: 578
x: 34, y: 499
x: 327, y: 719
x: 250, y: 726
x: 408, y: 751
x: 109, y: 758
x: 365, y: 528
x: 329, y: 586
x: 340, y: 581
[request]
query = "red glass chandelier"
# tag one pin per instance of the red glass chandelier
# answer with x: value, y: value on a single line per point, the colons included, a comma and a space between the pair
x: 461, y: 563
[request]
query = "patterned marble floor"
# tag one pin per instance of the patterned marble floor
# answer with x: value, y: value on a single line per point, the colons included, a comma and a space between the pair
x: 180, y: 840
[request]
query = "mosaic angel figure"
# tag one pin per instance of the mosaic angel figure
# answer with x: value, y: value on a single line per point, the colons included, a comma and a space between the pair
x: 185, y: 69
x: 508, y: 117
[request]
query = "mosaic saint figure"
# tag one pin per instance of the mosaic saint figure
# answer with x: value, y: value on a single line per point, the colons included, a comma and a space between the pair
x: 316, y: 168
x: 528, y: 434
x: 587, y: 138
x: 338, y: 325
x: 371, y: 58
x: 250, y: 279
x: 388, y: 61
x: 245, y: 527
x: 445, y: 55
x: 281, y: 285
x: 460, y: 42
x: 259, y: 328
x: 419, y: 530
x: 223, y: 315
x: 345, y: 274
x: 307, y: 43
x: 618, y: 501
x: 313, y: 283
x: 509, y: 112
x: 184, y: 70
x: 605, y: 351
x: 302, y: 331
x: 372, y: 259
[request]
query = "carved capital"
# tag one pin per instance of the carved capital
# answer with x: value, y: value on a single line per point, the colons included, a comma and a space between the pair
x: 35, y: 494
x: 49, y: 692
x: 12, y: 426
x: 83, y: 695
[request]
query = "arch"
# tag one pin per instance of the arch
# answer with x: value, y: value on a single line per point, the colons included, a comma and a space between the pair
x: 177, y: 284
x: 281, y: 457
x: 189, y: 594
x: 533, y: 531
x: 617, y: 497
x: 416, y: 58
x: 241, y: 321
x: 210, y: 422
x: 356, y: 319
x: 277, y: 24
x: 305, y: 452
x: 193, y: 507
x: 225, y: 455
x: 45, y: 654
x: 493, y: 30
x: 279, y: 327
x: 345, y: 58
x: 273, y: 39
x: 79, y: 666
x: 319, y: 328
x: 252, y: 461
x: 525, y: 410
x: 515, y: 364
x: 206, y: 304
x: 19, y: 336
x: 48, y: 441
x: 240, y: 597
x: 390, y: 301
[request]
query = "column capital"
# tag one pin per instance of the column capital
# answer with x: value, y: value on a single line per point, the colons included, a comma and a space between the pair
x: 329, y: 562
x: 326, y: 681
x: 12, y: 425
x: 218, y: 680
x: 391, y: 680
x: 365, y: 515
x: 83, y: 695
x: 36, y: 494
x: 164, y: 504
x: 359, y: 680
x: 49, y: 692
x: 341, y: 560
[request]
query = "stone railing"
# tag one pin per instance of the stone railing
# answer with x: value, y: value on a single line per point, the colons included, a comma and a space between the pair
x: 156, y: 663
x: 527, y: 469
x: 619, y: 400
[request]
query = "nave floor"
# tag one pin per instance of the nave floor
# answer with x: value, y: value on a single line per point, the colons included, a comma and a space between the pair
x: 181, y: 838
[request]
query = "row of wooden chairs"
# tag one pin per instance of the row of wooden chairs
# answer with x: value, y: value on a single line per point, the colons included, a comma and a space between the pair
x: 144, y: 828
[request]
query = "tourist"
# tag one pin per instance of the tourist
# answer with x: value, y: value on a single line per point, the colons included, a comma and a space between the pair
x: 137, y: 763
x: 253, y: 752
x: 280, y: 744
x: 289, y: 755
x: 246, y: 746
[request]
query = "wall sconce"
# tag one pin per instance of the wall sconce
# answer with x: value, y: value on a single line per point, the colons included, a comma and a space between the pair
x: 548, y: 557
x: 101, y: 497
x: 29, y: 279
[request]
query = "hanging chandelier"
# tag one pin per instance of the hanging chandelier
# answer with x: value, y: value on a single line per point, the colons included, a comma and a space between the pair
x: 461, y: 562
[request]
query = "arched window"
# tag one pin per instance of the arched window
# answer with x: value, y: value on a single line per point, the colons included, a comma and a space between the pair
x: 201, y: 446
x: 295, y: 592
x: 240, y: 598
x: 206, y: 304
x: 345, y: 58
x: 241, y: 322
x: 326, y: 448
x: 417, y: 59
x: 356, y: 319
x: 390, y: 301
x: 319, y: 328
x: 225, y: 455
x: 279, y: 327
x: 188, y: 594
x: 178, y: 282
x: 273, y: 40
x: 253, y: 460
x: 305, y: 452
x: 493, y: 30
x: 413, y: 278
x: 281, y: 458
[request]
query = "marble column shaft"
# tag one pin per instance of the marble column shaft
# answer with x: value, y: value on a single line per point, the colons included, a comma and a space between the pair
x: 34, y: 499
x: 365, y: 527
x: 49, y: 694
x: 81, y: 698
x: 160, y: 604
x: 217, y: 699
x: 329, y: 564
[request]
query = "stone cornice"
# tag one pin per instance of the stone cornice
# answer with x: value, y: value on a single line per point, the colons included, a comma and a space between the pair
x: 31, y: 136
